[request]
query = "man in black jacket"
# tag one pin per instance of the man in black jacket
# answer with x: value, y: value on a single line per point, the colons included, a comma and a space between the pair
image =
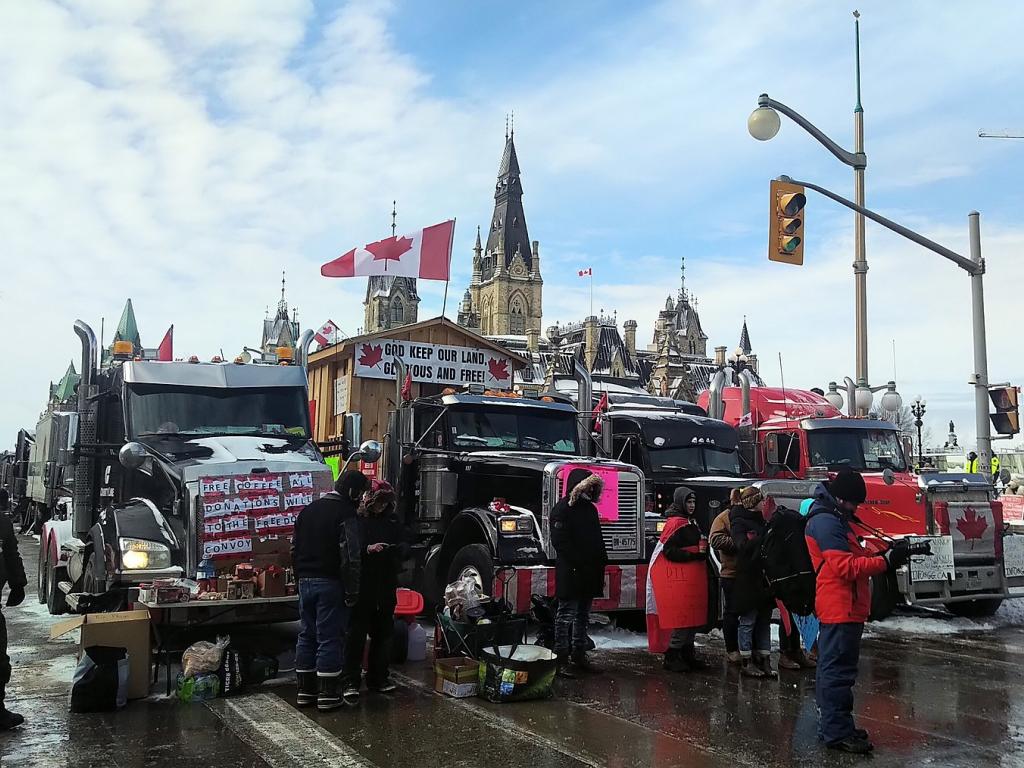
x: 580, y: 559
x: 326, y: 555
x: 12, y: 573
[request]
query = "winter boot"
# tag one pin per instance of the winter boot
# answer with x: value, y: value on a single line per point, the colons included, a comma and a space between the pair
x: 308, y: 687
x: 733, y: 657
x: 562, y: 668
x: 350, y: 689
x: 674, y: 661
x: 383, y: 686
x: 330, y: 693
x: 693, y: 661
x: 764, y: 663
x: 852, y: 744
x: 749, y: 668
x: 9, y: 720
x: 788, y: 661
x: 805, y: 661
x: 582, y: 663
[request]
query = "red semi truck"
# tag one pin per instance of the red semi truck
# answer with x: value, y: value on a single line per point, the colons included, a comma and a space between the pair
x: 975, y: 563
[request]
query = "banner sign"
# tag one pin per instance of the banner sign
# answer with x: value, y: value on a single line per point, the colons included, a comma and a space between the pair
x: 433, y: 363
x: 340, y: 395
x: 236, y: 509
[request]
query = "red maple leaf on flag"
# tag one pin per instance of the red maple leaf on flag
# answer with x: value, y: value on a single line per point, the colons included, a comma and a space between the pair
x: 371, y: 355
x: 498, y: 369
x: 390, y: 249
x: 971, y: 526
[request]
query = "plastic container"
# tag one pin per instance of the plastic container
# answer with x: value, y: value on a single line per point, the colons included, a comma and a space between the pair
x: 417, y: 642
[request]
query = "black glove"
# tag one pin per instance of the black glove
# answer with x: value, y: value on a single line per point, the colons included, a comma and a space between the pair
x: 898, y: 554
x: 15, y: 596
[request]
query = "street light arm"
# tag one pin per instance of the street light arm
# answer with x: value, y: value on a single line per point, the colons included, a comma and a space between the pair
x: 965, y: 264
x: 856, y: 160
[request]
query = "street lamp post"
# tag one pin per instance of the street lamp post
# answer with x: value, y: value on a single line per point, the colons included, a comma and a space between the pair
x: 918, y: 408
x: 764, y: 124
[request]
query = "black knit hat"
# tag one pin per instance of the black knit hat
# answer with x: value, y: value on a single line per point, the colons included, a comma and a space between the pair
x: 849, y: 486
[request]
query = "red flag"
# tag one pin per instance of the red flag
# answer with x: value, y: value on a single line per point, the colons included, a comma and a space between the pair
x: 327, y: 334
x: 407, y: 388
x: 166, y: 349
x: 426, y: 254
x: 586, y: 272
x: 602, y: 406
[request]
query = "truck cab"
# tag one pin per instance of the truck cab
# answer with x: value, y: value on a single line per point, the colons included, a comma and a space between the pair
x: 160, y: 447
x: 477, y: 474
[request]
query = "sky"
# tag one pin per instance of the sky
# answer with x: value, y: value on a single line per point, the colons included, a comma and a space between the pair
x: 184, y: 153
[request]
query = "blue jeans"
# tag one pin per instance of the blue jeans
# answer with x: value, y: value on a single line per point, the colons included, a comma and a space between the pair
x: 838, y: 655
x: 324, y: 618
x: 755, y: 632
x: 571, y: 620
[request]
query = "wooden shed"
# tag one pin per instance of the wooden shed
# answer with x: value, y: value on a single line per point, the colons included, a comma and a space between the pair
x: 361, y: 374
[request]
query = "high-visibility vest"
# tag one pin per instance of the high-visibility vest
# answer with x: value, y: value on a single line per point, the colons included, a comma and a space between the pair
x: 995, y: 464
x: 971, y: 465
x: 334, y: 462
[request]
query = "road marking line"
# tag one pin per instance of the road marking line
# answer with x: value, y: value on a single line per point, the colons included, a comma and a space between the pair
x: 282, y: 736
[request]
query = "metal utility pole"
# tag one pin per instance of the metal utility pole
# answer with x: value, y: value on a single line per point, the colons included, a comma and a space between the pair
x: 860, y: 259
x: 980, y: 377
x: 987, y: 135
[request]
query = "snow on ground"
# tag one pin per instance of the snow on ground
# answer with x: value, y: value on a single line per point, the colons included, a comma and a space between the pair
x: 606, y: 638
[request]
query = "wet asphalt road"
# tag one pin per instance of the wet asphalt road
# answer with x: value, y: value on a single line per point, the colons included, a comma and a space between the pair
x: 950, y: 700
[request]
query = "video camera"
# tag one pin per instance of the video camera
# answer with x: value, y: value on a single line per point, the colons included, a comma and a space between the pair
x: 913, y: 547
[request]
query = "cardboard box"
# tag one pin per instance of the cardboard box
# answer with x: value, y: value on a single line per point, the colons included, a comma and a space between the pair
x: 123, y: 629
x: 241, y: 589
x: 456, y: 677
x: 271, y: 584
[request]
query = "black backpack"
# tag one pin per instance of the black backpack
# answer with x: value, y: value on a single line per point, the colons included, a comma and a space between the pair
x: 787, y: 563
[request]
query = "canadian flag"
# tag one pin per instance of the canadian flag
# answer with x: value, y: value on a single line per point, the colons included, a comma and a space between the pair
x: 328, y: 334
x: 586, y: 272
x: 426, y: 254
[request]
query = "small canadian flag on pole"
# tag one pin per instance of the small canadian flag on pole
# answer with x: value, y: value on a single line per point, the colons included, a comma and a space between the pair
x: 588, y: 272
x: 425, y: 253
x: 328, y: 334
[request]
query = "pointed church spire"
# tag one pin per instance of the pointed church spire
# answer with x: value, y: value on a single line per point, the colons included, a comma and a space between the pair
x: 682, y: 279
x: 745, y: 346
x: 127, y: 328
x: 477, y: 246
x: 394, y: 216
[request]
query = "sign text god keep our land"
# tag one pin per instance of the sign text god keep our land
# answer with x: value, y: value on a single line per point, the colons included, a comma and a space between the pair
x: 433, y: 363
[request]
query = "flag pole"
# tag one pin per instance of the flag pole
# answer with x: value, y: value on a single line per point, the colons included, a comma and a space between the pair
x: 591, y: 291
x: 448, y: 272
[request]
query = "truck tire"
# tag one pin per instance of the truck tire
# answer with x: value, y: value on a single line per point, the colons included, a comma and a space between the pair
x: 974, y: 609
x: 473, y: 560
x: 43, y: 571
x: 56, y: 602
x: 885, y: 596
x: 90, y: 585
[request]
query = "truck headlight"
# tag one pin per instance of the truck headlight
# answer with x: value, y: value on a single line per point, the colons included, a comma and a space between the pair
x: 142, y: 554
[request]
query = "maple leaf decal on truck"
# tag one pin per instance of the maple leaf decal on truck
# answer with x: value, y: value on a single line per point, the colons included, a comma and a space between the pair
x: 971, y: 526
x: 371, y: 355
x: 498, y: 369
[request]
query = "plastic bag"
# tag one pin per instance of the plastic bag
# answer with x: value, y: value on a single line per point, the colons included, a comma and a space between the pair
x: 203, y: 657
x: 462, y: 596
x: 199, y: 688
x: 100, y: 683
x: 516, y: 673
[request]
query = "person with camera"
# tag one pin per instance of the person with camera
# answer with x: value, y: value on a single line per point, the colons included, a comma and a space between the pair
x: 844, y: 568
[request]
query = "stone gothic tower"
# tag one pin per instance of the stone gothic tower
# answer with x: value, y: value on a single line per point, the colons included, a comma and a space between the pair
x: 505, y: 292
x: 390, y: 301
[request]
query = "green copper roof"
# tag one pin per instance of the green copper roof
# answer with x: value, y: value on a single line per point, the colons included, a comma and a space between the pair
x: 65, y: 389
x: 127, y: 329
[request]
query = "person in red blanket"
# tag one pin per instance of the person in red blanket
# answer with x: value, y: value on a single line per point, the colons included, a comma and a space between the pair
x: 677, y: 586
x: 842, y: 601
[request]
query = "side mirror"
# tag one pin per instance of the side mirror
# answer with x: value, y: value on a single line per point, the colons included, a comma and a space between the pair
x: 370, y: 452
x: 132, y: 455
x: 888, y: 477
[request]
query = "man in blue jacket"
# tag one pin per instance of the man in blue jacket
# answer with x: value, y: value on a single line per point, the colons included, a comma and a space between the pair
x: 844, y: 568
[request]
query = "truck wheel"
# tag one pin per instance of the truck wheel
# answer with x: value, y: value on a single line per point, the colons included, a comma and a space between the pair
x: 885, y: 596
x: 473, y: 560
x: 975, y: 608
x: 43, y: 571
x: 56, y: 602
x: 90, y: 584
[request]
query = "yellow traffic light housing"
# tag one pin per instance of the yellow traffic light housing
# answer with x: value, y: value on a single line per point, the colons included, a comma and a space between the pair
x: 786, y: 223
x: 1006, y: 419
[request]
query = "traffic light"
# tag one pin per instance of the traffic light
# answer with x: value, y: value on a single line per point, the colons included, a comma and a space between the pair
x: 1006, y: 419
x: 786, y: 223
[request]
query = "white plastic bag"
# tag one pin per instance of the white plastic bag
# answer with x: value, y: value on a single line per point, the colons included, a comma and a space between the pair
x: 203, y: 657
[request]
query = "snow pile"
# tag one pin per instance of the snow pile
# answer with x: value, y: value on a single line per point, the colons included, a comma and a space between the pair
x: 607, y: 638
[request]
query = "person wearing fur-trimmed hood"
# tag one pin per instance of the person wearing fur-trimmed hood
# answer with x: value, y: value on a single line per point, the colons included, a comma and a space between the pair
x: 580, y: 560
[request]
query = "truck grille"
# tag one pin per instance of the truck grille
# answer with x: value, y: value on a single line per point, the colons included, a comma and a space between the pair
x: 624, y: 538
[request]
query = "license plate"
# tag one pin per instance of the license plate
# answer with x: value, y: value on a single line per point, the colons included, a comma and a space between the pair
x: 623, y: 542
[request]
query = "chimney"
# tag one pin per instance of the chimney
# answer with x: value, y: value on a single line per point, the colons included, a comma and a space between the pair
x: 591, y: 339
x: 720, y: 355
x: 630, y: 326
x: 533, y: 339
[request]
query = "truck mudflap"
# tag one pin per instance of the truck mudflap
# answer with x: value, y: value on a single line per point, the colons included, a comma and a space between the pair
x: 625, y: 587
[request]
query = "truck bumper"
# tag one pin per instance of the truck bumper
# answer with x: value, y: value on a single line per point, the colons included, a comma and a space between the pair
x: 625, y: 586
x: 972, y: 582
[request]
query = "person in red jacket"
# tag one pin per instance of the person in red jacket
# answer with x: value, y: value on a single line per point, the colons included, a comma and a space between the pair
x: 842, y: 601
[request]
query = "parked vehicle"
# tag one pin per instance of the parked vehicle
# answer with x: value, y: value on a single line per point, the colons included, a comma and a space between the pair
x: 796, y: 434
x: 14, y: 466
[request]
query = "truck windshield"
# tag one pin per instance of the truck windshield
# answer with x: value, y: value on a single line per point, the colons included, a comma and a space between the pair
x: 863, y: 449
x: 515, y: 428
x: 696, y: 459
x: 157, y: 409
